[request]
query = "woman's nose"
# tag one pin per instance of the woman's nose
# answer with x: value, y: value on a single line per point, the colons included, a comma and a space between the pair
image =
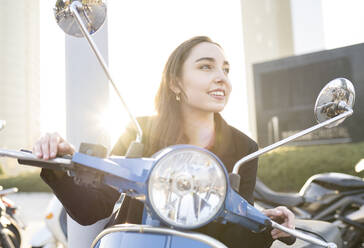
x: 221, y: 77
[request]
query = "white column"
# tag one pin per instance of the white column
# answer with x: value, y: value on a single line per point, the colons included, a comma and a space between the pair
x: 307, y: 26
x: 87, y: 96
x: 267, y: 33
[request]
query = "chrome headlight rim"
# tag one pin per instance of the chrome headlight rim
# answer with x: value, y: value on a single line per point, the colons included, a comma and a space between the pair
x: 178, y: 148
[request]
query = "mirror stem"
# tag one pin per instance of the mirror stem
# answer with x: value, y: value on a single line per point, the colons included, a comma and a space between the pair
x: 288, y: 139
x: 73, y: 8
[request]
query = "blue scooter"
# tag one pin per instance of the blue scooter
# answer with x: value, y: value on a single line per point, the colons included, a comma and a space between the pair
x: 183, y: 187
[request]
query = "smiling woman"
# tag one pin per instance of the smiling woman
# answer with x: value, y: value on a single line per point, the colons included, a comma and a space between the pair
x: 199, y: 73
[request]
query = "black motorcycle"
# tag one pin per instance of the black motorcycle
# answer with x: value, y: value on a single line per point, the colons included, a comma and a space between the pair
x: 334, y: 197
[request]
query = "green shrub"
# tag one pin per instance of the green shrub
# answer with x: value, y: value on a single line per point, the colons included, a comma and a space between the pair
x: 287, y: 168
x: 28, y: 182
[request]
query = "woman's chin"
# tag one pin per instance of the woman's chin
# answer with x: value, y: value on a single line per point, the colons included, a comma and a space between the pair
x: 217, y: 109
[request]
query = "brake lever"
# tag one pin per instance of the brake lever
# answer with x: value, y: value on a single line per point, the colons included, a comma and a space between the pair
x: 290, y: 240
x: 300, y: 235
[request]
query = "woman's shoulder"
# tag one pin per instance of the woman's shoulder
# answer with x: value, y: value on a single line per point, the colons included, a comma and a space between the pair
x: 129, y: 134
x: 232, y: 139
x: 243, y: 140
x: 146, y: 120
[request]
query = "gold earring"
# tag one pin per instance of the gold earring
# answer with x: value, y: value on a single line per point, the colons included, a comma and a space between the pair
x: 178, y: 97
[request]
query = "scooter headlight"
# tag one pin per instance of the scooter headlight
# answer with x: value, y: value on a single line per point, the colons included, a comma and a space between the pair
x: 187, y: 187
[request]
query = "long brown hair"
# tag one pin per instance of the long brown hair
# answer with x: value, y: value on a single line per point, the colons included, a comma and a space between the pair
x: 167, y: 129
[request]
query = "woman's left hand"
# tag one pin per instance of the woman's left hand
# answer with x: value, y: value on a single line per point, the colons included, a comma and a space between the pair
x: 282, y: 215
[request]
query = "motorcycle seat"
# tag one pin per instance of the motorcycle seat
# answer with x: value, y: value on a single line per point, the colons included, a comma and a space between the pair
x: 337, y: 181
x: 265, y: 194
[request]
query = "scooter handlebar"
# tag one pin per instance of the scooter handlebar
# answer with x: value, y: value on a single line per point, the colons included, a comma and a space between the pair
x: 27, y: 158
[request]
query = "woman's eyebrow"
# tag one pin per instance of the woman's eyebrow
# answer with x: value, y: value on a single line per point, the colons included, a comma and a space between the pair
x: 205, y: 58
x: 210, y: 59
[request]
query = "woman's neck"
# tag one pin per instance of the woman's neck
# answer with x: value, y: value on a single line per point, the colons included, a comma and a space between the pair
x: 199, y: 128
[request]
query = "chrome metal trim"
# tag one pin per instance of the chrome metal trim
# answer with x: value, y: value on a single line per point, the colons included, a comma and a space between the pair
x: 170, y: 151
x: 303, y: 236
x: 149, y: 229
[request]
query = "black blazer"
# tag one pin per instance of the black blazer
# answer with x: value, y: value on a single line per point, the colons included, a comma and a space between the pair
x: 88, y: 205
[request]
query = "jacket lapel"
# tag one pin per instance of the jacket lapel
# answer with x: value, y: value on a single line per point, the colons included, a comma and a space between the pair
x: 224, y: 141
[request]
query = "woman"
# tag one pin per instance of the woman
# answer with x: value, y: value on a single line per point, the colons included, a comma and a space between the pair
x: 195, y: 87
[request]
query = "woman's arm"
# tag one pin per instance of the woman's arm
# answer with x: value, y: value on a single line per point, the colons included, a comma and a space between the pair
x: 84, y: 204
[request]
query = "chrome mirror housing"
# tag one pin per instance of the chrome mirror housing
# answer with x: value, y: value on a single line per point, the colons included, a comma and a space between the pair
x: 334, y: 99
x: 92, y: 13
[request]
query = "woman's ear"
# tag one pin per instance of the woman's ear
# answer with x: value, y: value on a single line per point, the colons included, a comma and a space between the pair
x: 175, y: 87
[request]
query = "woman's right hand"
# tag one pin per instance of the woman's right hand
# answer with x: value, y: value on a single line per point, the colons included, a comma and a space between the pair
x: 51, y: 145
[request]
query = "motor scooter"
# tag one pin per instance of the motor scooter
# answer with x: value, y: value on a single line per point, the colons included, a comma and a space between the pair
x: 175, y: 184
x: 54, y: 232
x: 176, y: 187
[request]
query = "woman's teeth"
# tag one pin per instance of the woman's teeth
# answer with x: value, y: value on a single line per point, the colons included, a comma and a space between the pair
x: 217, y: 93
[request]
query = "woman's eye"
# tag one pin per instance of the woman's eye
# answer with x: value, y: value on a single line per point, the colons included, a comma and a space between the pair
x: 226, y: 70
x: 205, y: 67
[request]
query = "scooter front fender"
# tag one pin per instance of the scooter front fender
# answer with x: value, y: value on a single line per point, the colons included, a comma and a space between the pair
x: 140, y: 236
x: 43, y: 238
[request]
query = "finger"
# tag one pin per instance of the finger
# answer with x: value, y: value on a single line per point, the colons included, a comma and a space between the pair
x: 288, y: 216
x: 45, y: 146
x: 53, y: 145
x: 272, y: 212
x: 274, y: 233
x: 65, y: 148
x: 37, y: 149
x: 280, y: 234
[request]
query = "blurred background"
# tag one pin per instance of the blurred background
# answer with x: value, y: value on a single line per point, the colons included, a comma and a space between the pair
x: 281, y: 54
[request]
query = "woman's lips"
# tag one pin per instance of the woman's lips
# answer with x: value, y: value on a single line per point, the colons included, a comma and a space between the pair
x: 217, y: 94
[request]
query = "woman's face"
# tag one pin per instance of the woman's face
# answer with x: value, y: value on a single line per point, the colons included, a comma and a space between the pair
x: 205, y: 79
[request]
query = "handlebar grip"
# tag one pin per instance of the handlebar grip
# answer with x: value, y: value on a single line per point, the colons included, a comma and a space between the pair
x: 44, y: 165
x: 47, y: 164
x: 288, y: 240
x: 41, y: 164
